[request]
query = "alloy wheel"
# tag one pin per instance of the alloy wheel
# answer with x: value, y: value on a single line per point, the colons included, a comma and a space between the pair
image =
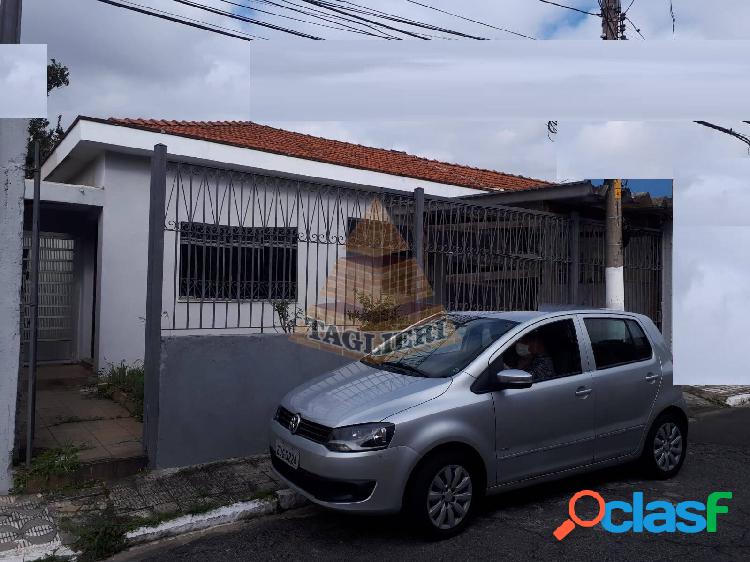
x: 668, y: 446
x: 449, y: 496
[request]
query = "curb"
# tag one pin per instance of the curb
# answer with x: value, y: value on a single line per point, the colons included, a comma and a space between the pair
x: 731, y: 401
x: 282, y: 500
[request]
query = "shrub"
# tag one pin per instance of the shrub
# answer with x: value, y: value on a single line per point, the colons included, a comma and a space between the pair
x: 127, y: 379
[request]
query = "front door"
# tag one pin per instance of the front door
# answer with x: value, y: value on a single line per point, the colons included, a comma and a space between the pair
x: 626, y: 381
x: 548, y: 427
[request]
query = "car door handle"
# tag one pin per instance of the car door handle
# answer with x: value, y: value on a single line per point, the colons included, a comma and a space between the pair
x: 583, y: 392
x: 651, y: 377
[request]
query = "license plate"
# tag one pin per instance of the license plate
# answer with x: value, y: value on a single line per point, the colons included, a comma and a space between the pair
x: 287, y: 453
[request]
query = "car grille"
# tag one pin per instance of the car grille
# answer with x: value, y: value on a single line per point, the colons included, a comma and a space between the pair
x: 307, y: 429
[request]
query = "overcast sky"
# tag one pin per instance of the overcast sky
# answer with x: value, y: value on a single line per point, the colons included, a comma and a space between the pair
x: 711, y: 271
x: 23, y: 81
x: 126, y: 64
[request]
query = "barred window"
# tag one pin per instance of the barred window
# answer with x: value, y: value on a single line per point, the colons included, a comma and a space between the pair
x: 221, y: 262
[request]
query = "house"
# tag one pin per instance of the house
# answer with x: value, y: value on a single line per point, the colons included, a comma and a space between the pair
x: 268, y: 232
x: 96, y: 195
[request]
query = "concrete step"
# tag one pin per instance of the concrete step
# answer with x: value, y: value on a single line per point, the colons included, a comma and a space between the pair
x: 105, y: 470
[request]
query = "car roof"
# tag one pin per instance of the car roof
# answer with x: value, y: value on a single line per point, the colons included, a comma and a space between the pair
x: 523, y: 316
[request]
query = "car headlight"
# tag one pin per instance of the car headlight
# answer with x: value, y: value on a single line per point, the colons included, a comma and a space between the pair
x: 362, y: 437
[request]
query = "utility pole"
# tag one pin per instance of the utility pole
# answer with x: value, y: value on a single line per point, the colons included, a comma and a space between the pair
x: 613, y: 28
x: 614, y: 273
x: 613, y: 22
x: 10, y: 22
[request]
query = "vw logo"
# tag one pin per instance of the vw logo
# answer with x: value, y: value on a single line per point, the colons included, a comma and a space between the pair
x: 294, y: 423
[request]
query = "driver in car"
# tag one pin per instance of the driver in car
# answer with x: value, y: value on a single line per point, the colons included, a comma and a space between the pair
x: 530, y: 355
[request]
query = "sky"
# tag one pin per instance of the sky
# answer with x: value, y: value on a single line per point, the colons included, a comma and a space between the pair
x: 22, y: 69
x: 129, y: 65
x: 711, y: 270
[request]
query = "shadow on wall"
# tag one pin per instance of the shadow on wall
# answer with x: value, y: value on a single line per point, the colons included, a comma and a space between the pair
x: 218, y: 393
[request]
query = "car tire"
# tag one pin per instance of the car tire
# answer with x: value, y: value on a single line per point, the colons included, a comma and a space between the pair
x: 443, y: 494
x: 666, y: 446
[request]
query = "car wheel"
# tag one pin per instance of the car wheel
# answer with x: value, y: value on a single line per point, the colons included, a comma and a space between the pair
x: 666, y: 446
x: 443, y: 495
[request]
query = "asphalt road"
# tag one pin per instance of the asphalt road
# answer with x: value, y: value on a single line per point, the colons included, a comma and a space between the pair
x: 516, y: 525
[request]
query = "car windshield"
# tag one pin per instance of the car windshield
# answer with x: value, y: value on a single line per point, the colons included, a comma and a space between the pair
x: 439, y: 346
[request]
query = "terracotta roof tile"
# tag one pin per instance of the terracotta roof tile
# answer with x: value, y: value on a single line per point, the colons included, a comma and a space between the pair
x: 251, y: 135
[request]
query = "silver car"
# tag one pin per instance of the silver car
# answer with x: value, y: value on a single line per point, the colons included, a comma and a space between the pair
x: 468, y: 403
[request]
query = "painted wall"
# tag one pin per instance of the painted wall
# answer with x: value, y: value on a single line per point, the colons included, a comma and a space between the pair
x: 123, y: 250
x: 12, y: 149
x: 218, y: 393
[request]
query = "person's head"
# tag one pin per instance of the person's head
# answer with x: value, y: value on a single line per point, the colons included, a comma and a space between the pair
x: 530, y: 344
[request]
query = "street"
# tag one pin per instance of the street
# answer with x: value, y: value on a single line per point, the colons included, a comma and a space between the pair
x: 516, y: 525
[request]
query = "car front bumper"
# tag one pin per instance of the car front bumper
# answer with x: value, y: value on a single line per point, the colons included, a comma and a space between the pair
x: 367, y: 482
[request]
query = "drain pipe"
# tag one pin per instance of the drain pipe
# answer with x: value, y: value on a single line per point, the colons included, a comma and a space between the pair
x: 33, y: 309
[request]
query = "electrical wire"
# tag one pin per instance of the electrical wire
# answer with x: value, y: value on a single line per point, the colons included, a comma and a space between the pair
x: 246, y: 20
x: 175, y: 18
x: 637, y: 30
x: 338, y: 27
x: 358, y: 8
x: 572, y: 8
x: 470, y: 20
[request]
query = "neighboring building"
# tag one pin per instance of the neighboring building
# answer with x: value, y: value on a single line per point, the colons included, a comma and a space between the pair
x: 96, y: 200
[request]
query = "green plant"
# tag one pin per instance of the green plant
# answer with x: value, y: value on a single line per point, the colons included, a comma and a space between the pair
x: 53, y: 462
x: 100, y: 536
x: 382, y: 313
x: 39, y: 128
x: 288, y: 313
x: 127, y: 379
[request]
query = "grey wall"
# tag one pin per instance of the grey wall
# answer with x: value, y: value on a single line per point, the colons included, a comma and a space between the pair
x: 218, y: 392
x: 12, y: 153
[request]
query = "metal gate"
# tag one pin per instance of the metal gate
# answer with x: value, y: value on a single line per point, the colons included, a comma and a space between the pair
x: 56, y: 325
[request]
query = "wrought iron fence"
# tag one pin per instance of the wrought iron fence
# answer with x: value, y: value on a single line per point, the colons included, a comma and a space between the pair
x: 252, y: 251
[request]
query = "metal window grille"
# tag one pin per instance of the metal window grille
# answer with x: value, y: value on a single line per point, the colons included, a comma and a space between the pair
x: 259, y: 252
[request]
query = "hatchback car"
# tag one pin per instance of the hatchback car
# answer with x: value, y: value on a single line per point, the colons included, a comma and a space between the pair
x: 467, y: 403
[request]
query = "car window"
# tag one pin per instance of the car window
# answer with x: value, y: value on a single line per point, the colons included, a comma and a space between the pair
x: 642, y: 345
x: 616, y: 341
x: 548, y: 352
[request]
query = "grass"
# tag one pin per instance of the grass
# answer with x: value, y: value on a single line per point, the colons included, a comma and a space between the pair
x: 53, y: 462
x: 127, y: 379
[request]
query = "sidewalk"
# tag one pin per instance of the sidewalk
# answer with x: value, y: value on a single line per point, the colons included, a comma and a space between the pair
x: 166, y: 502
x: 732, y: 396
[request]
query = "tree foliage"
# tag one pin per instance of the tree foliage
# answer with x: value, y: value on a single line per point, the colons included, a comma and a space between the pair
x: 40, y: 129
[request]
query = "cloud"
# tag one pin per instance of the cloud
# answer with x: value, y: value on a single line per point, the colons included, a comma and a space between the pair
x: 23, y: 81
x: 711, y: 268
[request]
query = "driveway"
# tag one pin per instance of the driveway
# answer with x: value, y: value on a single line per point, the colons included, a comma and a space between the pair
x: 516, y: 525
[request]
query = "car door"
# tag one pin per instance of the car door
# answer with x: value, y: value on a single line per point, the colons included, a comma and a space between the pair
x: 626, y: 380
x: 547, y: 427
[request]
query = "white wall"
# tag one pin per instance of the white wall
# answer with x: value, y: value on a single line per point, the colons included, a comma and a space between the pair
x: 123, y: 251
x: 12, y: 149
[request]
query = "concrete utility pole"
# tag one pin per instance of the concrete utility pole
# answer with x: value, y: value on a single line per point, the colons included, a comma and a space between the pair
x: 10, y: 21
x: 13, y: 133
x: 613, y: 28
x: 614, y: 273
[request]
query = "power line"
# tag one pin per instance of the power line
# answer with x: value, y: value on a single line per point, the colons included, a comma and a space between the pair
x: 571, y: 8
x: 246, y: 19
x: 471, y: 20
x: 637, y: 30
x: 336, y: 27
x: 358, y: 8
x: 674, y: 19
x: 168, y: 16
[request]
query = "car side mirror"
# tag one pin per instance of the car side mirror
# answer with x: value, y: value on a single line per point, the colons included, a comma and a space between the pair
x: 514, y: 378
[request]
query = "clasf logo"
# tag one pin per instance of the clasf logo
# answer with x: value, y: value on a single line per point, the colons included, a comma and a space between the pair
x: 653, y: 517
